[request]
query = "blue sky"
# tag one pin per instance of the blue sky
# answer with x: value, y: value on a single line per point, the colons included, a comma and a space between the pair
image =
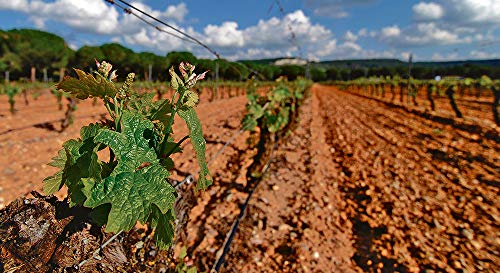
x: 245, y: 29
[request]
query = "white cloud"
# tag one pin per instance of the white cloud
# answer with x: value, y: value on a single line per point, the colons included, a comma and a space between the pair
x: 477, y: 54
x: 406, y: 55
x: 392, y: 31
x: 333, y: 8
x: 349, y: 50
x: 140, y: 38
x: 418, y: 35
x: 459, y: 13
x: 472, y: 12
x: 159, y: 42
x: 428, y: 11
x: 445, y: 22
x: 445, y: 57
x: 433, y: 34
x: 328, y: 49
x: 117, y: 39
x: 363, y: 32
x: 176, y: 12
x: 353, y: 51
x: 268, y: 38
x: 91, y: 16
x: 350, y: 46
x: 72, y: 46
x: 350, y: 37
x: 17, y: 5
x: 39, y: 22
x: 276, y: 33
x: 225, y: 35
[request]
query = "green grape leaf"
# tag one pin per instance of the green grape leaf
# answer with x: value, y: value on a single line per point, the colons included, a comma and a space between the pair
x: 298, y: 94
x: 172, y: 147
x: 168, y: 163
x: 100, y: 214
x: 140, y: 103
x: 273, y: 124
x: 138, y: 182
x: 249, y: 123
x: 87, y: 86
x: 161, y: 111
x: 279, y: 121
x: 256, y: 110
x: 132, y: 147
x: 132, y: 195
x: 164, y: 224
x: 54, y: 183
x: 485, y: 81
x: 196, y: 135
x: 78, y: 160
x: 280, y: 94
x: 252, y: 97
x: 158, y: 110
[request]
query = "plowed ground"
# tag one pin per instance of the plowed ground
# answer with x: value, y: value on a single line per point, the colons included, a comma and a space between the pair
x: 356, y: 187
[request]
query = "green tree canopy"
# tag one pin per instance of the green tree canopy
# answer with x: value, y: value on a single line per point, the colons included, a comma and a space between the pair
x: 85, y: 57
x: 40, y: 49
x: 174, y: 58
x: 292, y: 71
x: 318, y: 74
x: 123, y: 59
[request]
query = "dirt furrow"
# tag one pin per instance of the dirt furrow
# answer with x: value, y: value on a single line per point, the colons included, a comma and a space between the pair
x: 293, y: 222
x: 450, y: 151
x: 407, y: 214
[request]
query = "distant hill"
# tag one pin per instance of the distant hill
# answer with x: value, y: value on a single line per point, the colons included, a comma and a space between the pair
x: 492, y: 62
x: 260, y: 61
x: 370, y: 63
x: 373, y: 63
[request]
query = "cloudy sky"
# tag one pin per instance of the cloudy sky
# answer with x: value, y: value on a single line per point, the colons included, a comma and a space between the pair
x: 254, y: 29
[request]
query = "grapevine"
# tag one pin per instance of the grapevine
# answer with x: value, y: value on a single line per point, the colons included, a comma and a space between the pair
x: 132, y: 186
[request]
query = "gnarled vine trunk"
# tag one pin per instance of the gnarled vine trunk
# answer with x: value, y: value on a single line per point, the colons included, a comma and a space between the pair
x: 393, y: 92
x: 42, y: 234
x: 494, y: 106
x: 429, y: 97
x: 45, y: 235
x: 451, y: 96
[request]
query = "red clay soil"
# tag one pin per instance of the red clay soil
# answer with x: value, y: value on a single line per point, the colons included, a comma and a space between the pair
x: 363, y: 187
x: 358, y: 186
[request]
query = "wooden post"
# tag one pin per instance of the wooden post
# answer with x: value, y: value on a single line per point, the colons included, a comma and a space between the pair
x: 62, y: 71
x: 410, y: 61
x: 45, y: 78
x: 150, y: 72
x: 307, y: 75
x: 216, y: 77
x: 33, y: 74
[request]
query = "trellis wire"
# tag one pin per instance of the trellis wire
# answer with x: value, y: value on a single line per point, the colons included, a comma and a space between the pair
x: 187, y: 37
x: 234, y: 227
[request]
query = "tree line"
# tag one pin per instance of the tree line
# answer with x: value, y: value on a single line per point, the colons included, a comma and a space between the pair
x: 28, y: 53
